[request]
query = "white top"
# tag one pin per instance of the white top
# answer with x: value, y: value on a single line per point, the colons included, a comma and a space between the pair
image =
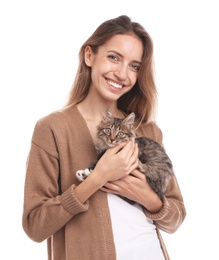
x: 135, y: 235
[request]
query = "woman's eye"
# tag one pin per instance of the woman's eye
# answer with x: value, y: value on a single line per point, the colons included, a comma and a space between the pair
x: 113, y: 57
x: 135, y: 67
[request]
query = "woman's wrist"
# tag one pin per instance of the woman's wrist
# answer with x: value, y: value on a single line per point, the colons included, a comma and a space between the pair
x: 152, y: 202
x: 89, y: 186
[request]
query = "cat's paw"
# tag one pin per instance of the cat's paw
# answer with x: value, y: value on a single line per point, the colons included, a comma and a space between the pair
x: 81, y: 175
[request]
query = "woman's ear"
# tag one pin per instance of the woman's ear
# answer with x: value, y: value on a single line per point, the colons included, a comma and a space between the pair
x: 88, y: 56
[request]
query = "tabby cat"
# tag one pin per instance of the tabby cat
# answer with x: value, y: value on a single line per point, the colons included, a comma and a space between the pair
x: 155, y: 163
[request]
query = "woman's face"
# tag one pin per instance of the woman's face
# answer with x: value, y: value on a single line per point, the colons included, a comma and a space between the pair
x: 114, y: 69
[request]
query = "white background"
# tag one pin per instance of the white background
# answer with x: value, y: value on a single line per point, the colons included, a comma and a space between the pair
x: 39, y: 47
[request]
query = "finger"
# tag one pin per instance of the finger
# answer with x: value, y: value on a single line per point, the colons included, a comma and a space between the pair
x: 117, y: 148
x: 110, y: 185
x: 133, y: 166
x: 135, y: 152
x: 109, y: 191
x: 133, y: 160
x: 138, y: 174
x: 128, y: 149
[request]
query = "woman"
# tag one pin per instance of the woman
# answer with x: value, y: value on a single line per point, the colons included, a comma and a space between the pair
x: 88, y: 220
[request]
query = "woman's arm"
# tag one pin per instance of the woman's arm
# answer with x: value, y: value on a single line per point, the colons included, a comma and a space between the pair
x: 173, y: 212
x: 167, y: 214
x: 135, y: 187
x: 46, y: 209
x: 116, y: 163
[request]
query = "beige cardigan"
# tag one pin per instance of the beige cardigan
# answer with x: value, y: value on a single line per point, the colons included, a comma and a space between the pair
x: 61, y: 144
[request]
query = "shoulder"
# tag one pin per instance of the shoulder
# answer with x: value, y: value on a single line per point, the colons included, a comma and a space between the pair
x: 57, y: 119
x: 55, y: 125
x: 151, y: 130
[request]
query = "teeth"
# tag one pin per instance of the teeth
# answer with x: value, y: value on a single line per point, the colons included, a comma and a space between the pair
x: 115, y: 85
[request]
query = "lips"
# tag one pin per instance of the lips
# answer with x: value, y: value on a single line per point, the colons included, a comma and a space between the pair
x: 115, y: 85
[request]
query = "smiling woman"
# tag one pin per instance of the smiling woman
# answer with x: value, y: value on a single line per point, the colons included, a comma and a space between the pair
x: 115, y: 70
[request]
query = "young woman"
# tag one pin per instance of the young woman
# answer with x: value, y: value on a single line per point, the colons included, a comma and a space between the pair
x: 87, y: 220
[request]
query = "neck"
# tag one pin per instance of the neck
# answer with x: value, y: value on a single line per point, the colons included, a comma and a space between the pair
x: 93, y: 111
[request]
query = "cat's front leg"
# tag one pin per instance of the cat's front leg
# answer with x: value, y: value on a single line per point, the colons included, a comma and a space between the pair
x: 81, y: 175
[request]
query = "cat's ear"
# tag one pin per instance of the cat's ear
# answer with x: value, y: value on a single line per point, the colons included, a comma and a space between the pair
x: 107, y: 114
x: 130, y: 119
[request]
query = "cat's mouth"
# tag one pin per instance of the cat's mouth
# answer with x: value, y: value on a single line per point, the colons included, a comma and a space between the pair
x: 114, y: 84
x: 113, y: 144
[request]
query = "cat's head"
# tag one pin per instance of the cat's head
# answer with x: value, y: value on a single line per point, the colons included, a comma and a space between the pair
x: 112, y: 130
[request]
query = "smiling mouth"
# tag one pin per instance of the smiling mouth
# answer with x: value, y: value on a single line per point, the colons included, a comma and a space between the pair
x: 115, y: 85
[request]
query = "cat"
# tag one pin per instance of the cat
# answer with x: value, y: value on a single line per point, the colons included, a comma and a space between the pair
x: 155, y: 163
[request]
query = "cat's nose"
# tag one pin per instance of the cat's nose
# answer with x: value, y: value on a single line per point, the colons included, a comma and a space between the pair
x: 112, y: 140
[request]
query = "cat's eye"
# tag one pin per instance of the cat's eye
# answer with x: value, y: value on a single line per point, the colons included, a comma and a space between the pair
x: 120, y: 134
x: 107, y: 131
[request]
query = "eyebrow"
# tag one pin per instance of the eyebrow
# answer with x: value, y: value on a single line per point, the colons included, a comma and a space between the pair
x: 119, y: 54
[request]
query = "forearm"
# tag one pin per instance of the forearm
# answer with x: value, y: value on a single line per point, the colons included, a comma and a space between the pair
x: 43, y: 216
x: 173, y: 211
x: 150, y: 201
x: 89, y: 186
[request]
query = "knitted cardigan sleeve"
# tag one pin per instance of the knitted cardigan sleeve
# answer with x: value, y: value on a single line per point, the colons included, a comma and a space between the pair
x: 173, y: 212
x: 45, y: 209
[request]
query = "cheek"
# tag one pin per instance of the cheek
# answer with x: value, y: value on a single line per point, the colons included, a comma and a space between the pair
x: 99, y: 67
x: 134, y: 79
x: 118, y: 141
x: 107, y: 140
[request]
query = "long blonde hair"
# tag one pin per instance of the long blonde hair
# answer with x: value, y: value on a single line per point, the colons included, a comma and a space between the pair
x: 142, y: 98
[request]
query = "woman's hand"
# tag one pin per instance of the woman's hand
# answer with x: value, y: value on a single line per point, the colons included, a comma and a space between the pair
x: 135, y: 187
x: 117, y: 162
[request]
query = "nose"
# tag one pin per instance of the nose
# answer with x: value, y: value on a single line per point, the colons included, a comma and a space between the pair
x: 112, y: 140
x: 121, y: 71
